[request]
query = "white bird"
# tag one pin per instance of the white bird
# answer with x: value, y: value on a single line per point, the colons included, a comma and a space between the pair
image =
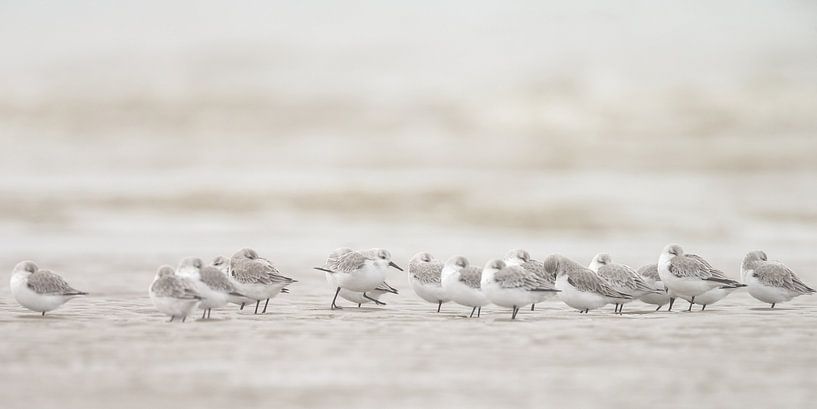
x: 519, y: 257
x: 771, y: 281
x: 461, y: 282
x: 172, y: 295
x: 359, y: 271
x: 40, y: 290
x: 256, y: 277
x: 213, y: 286
x: 689, y: 275
x: 356, y: 297
x: 621, y: 278
x: 710, y: 297
x: 581, y: 288
x: 511, y: 286
x: 650, y: 275
x: 424, y: 278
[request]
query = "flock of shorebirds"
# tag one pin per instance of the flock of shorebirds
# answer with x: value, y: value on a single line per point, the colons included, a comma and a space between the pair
x: 513, y: 282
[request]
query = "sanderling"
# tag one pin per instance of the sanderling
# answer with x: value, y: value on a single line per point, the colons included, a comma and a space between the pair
x: 511, y: 286
x: 621, y: 278
x: 172, y: 295
x: 461, y: 282
x: 581, y: 288
x: 356, y: 297
x: 689, y: 275
x: 771, y: 281
x: 222, y: 263
x: 211, y: 284
x: 424, y: 278
x: 40, y: 290
x: 522, y: 258
x: 256, y: 277
x: 358, y: 271
x: 650, y: 275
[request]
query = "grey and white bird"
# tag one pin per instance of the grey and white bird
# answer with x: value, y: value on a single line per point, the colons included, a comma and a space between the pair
x: 211, y: 284
x: 581, y: 288
x: 522, y: 258
x: 357, y: 271
x: 222, y: 263
x: 650, y: 275
x: 40, y: 290
x: 256, y: 277
x: 172, y: 295
x: 688, y: 275
x: 462, y: 283
x: 355, y: 297
x: 424, y: 279
x: 621, y: 278
x: 511, y: 286
x: 771, y: 281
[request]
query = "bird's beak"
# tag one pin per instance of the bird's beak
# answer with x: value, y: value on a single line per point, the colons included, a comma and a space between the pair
x: 391, y: 264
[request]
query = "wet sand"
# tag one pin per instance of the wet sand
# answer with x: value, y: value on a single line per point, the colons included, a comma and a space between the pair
x: 114, y: 350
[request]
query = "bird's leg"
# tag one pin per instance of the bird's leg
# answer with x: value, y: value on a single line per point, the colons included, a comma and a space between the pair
x: 265, y: 307
x: 242, y: 306
x: 184, y: 318
x: 671, y: 301
x: 473, y: 310
x: 358, y: 305
x: 203, y: 313
x: 532, y: 307
x: 691, y: 301
x: 257, y: 303
x: 515, y: 311
x: 587, y: 310
x: 172, y: 317
x: 771, y: 308
x: 334, y: 306
x: 479, y: 310
x: 376, y: 301
x: 439, y: 305
x: 43, y: 314
x: 621, y: 309
x: 703, y: 308
x: 659, y: 307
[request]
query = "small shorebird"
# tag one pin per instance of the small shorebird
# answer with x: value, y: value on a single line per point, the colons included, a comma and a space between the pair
x: 519, y: 257
x: 688, y: 275
x: 256, y: 277
x: 621, y: 278
x: 222, y: 263
x: 771, y: 281
x: 172, y: 295
x: 581, y: 288
x: 212, y: 285
x: 424, y: 278
x: 356, y: 297
x: 650, y: 275
x: 511, y: 286
x: 40, y: 290
x: 461, y: 282
x: 358, y: 271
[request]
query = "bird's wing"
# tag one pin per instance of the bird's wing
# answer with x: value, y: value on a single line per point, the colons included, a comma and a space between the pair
x: 471, y: 276
x: 46, y: 282
x: 584, y: 279
x: 426, y: 273
x: 776, y: 274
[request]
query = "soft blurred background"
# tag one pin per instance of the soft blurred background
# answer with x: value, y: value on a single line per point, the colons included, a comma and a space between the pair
x: 154, y: 128
x: 135, y: 133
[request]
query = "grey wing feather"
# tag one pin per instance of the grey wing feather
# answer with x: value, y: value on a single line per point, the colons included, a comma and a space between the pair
x: 538, y: 268
x: 471, y: 276
x: 689, y: 266
x: 46, y: 282
x: 779, y: 275
x: 350, y: 262
x: 584, y: 279
x: 518, y: 277
x: 216, y: 280
x: 649, y: 271
x: 426, y: 273
x: 173, y: 287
